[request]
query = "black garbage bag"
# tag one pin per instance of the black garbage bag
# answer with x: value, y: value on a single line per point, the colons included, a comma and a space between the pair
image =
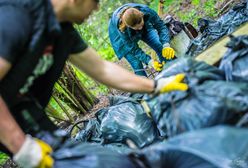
x: 243, y: 122
x: 75, y: 154
x: 234, y: 62
x: 127, y: 120
x: 213, y: 30
x: 209, y: 101
x: 90, y: 132
x: 85, y: 155
x: 124, y: 122
x: 221, y: 146
x: 204, y: 105
x: 199, y: 69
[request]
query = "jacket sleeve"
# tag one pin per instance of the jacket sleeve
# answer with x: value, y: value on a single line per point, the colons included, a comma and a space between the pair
x: 159, y: 25
x: 140, y: 54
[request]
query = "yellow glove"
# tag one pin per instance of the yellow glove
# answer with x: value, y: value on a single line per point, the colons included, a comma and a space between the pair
x: 46, y: 150
x: 156, y: 65
x: 171, y: 83
x: 168, y: 52
x: 34, y: 153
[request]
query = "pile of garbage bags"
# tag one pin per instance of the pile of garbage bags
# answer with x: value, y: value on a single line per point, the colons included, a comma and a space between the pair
x: 209, y: 101
x: 219, y: 146
x: 180, y: 129
x: 205, y: 126
x: 212, y: 30
x: 228, y: 148
x: 122, y: 121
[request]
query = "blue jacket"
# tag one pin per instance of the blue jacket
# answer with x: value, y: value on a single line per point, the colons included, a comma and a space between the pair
x: 125, y: 43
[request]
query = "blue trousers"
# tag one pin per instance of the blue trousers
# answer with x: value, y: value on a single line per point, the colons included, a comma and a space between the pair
x: 151, y: 38
x: 136, y: 65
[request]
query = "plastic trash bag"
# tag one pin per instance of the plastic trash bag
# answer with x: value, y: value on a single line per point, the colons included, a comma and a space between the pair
x: 209, y: 101
x: 69, y: 153
x: 128, y: 121
x: 213, y: 30
x: 91, y: 132
x: 213, y: 147
x: 234, y: 62
x: 124, y: 121
x: 243, y: 122
x: 199, y: 69
x: 221, y: 146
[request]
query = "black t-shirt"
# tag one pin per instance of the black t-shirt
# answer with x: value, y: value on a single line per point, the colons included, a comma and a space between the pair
x: 37, y: 46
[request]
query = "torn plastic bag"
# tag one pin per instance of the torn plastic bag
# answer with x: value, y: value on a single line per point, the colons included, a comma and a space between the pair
x: 234, y: 62
x: 128, y: 121
x: 72, y: 154
x: 213, y: 30
x: 209, y: 101
x: 221, y: 146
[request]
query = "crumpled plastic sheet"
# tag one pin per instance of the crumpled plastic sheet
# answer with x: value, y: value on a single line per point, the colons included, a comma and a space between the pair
x: 209, y: 101
x: 212, y: 30
x: 219, y: 146
x: 124, y: 121
x: 235, y: 60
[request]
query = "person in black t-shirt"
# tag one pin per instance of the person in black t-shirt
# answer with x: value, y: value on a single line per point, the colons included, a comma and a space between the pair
x: 36, y: 38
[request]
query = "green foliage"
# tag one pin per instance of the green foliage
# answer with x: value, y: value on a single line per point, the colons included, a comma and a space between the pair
x: 3, y: 158
x: 196, y: 2
x: 191, y: 12
x: 209, y: 8
x: 58, y: 113
x: 154, y: 5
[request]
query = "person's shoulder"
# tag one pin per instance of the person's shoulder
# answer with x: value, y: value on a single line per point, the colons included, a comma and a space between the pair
x: 16, y: 13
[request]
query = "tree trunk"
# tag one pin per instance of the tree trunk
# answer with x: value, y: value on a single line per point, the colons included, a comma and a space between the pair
x: 74, y: 95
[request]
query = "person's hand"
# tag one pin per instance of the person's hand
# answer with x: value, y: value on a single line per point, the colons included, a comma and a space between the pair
x: 171, y: 83
x: 34, y: 153
x: 168, y: 52
x: 156, y: 65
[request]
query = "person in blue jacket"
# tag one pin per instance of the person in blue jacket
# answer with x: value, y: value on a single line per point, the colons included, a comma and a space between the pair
x: 133, y: 22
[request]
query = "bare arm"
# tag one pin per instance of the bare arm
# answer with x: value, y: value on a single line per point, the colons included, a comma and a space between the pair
x: 110, y: 74
x: 11, y: 134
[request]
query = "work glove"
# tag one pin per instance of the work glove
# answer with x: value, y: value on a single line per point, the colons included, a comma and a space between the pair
x: 171, y: 83
x: 34, y: 153
x: 156, y: 65
x: 168, y: 52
